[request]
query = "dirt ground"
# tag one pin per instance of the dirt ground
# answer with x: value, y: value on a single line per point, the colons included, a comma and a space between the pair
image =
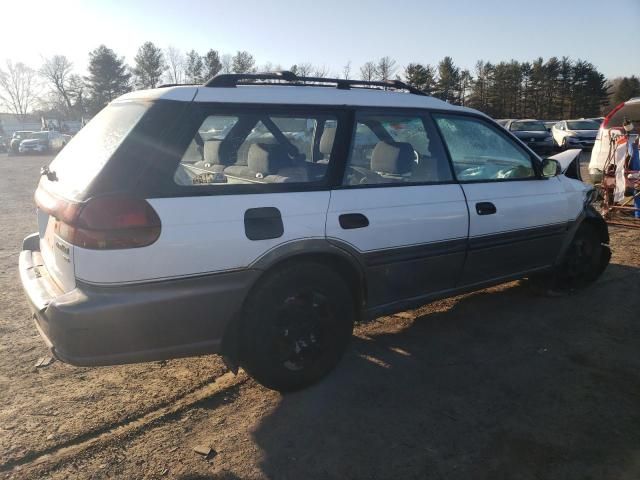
x: 499, y: 384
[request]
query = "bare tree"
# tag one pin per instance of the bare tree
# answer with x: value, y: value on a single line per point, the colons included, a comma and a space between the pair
x: 386, y: 68
x: 18, y: 87
x: 304, y: 69
x: 346, y: 70
x: 320, y: 71
x: 57, y: 71
x: 175, y: 64
x: 227, y: 63
x: 368, y: 72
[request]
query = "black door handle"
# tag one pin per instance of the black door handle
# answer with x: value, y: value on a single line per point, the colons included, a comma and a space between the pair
x: 485, y: 208
x: 349, y: 221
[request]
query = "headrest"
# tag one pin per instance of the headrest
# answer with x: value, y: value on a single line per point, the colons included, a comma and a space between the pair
x: 395, y: 158
x: 327, y: 139
x: 266, y: 158
x: 212, y: 152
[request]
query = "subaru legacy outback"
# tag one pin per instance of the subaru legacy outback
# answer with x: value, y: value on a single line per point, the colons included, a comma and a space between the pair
x: 259, y: 216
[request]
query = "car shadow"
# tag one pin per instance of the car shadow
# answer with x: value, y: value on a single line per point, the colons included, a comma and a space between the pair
x: 503, y: 383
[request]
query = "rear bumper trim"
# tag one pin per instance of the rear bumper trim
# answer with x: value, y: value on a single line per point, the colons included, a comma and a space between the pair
x: 93, y: 325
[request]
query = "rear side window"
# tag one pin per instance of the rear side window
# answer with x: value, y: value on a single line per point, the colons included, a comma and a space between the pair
x: 90, y: 149
x: 480, y: 152
x: 390, y: 149
x: 258, y: 148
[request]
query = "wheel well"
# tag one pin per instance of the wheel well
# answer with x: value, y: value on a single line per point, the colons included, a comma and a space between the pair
x: 345, y: 268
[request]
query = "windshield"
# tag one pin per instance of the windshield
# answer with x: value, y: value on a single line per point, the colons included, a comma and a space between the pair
x: 88, y: 151
x: 583, y: 125
x: 39, y: 136
x: 528, y: 127
x: 21, y: 135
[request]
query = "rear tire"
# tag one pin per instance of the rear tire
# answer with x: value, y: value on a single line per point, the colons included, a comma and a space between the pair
x: 296, y: 326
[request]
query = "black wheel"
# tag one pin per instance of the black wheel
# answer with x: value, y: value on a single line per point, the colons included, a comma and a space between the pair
x: 584, y: 261
x: 296, y: 326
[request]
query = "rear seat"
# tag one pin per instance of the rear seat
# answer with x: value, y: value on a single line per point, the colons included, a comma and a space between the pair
x: 269, y: 163
x: 212, y: 160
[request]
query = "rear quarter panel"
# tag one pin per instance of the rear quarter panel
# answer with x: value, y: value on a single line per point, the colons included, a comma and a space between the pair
x: 205, y: 234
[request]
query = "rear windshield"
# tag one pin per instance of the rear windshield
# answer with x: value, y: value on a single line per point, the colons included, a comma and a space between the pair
x: 583, y: 125
x: 631, y: 111
x: 85, y: 155
x: 528, y: 127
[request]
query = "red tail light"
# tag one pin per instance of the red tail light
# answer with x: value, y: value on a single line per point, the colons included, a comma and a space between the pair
x: 103, y: 223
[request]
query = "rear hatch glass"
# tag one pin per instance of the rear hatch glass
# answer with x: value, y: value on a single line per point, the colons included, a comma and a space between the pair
x: 78, y: 164
x: 75, y: 167
x: 630, y: 111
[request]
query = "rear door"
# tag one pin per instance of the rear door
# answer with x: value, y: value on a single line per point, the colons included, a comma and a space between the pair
x: 517, y: 219
x: 249, y: 179
x: 399, y: 209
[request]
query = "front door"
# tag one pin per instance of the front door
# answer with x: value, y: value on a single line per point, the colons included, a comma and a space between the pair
x: 517, y: 218
x: 399, y: 208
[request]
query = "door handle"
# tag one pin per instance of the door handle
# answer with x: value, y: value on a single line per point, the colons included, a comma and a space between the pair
x: 350, y: 221
x: 485, y: 208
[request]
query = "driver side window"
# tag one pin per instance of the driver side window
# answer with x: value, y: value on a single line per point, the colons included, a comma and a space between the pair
x: 481, y: 153
x: 395, y: 150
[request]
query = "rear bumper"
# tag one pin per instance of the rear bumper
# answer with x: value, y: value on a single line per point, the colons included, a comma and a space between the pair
x: 98, y: 325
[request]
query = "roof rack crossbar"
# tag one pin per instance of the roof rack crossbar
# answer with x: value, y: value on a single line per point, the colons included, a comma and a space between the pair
x: 231, y: 80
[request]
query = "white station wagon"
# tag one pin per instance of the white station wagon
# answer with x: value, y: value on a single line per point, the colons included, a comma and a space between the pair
x: 258, y: 216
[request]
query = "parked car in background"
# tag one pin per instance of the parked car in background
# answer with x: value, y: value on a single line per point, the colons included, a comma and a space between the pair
x: 629, y: 110
x: 548, y: 124
x: 533, y: 133
x: 502, y: 122
x: 319, y: 207
x: 16, y: 139
x: 575, y: 133
x: 42, y: 142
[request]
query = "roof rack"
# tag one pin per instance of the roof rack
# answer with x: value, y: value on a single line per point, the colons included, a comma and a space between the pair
x: 285, y: 77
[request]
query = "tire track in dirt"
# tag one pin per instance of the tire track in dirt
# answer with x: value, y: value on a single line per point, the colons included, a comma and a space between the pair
x: 57, y: 455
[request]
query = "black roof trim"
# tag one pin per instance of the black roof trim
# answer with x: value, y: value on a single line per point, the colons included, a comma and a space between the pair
x: 284, y: 77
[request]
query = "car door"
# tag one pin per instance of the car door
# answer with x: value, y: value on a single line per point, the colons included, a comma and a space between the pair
x: 398, y: 208
x: 517, y: 218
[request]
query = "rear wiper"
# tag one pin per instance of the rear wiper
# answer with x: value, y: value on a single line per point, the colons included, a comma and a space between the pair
x: 51, y: 175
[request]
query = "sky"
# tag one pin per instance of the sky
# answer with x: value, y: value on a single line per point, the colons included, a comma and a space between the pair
x: 330, y: 33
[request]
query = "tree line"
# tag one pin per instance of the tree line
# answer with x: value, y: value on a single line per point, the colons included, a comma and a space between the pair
x: 552, y: 89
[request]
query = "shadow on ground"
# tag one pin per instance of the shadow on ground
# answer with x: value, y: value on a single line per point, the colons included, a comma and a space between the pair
x: 499, y: 384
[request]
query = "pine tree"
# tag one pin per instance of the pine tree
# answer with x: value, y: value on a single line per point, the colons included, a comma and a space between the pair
x: 212, y: 64
x: 421, y: 77
x: 150, y: 65
x: 243, y: 62
x: 194, y: 69
x: 448, y: 80
x: 108, y: 77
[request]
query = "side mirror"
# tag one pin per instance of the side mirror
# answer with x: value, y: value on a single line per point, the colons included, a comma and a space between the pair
x: 551, y: 167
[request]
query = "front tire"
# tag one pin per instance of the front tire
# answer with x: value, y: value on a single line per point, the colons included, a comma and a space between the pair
x: 583, y: 262
x: 296, y: 326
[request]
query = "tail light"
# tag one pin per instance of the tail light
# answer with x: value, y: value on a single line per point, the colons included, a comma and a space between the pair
x: 103, y: 223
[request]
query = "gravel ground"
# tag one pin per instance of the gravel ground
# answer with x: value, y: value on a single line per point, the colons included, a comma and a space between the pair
x: 501, y: 383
